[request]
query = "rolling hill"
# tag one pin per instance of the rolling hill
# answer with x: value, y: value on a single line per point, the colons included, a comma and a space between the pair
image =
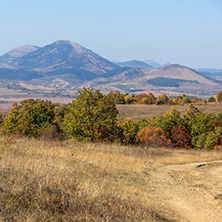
x: 64, y: 66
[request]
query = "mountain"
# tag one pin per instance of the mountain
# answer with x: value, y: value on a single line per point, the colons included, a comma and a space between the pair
x: 64, y: 66
x: 134, y: 64
x: 19, y: 52
x: 58, y: 58
x: 212, y: 73
x: 173, y: 80
x: 152, y: 63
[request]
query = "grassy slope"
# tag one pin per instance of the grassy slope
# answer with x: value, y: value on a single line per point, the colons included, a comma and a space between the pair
x: 137, y: 112
x: 68, y: 181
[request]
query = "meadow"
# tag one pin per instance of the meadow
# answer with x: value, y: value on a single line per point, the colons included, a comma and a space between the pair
x: 71, y: 181
x: 52, y: 180
x: 141, y: 111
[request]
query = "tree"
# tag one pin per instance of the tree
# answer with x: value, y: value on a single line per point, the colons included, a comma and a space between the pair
x: 129, y: 99
x: 191, y: 113
x: 149, y: 99
x: 117, y: 97
x: 91, y: 117
x: 219, y: 97
x: 211, y: 99
x: 168, y: 121
x: 185, y: 99
x: 29, y: 117
x: 162, y: 99
x: 140, y: 98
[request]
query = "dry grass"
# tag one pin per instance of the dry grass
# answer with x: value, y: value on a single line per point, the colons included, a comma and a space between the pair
x: 137, y: 112
x: 69, y: 181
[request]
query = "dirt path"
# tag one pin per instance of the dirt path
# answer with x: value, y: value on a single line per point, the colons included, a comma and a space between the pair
x: 188, y: 192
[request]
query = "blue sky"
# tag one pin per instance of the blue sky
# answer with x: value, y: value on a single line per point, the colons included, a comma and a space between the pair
x: 188, y: 32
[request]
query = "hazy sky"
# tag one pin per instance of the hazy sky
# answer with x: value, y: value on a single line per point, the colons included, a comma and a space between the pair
x: 188, y: 32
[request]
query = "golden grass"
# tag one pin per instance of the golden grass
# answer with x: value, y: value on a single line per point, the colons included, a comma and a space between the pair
x: 137, y: 112
x: 70, y: 181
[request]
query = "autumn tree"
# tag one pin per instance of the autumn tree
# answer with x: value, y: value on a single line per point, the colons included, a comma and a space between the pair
x: 219, y: 97
x: 91, y: 117
x: 149, y: 99
x: 162, y: 99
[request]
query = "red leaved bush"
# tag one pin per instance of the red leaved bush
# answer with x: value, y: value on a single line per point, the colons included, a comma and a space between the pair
x: 181, y: 137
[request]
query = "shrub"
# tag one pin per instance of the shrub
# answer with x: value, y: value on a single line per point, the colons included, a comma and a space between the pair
x: 162, y: 99
x: 129, y: 131
x: 153, y: 136
x: 142, y: 123
x: 200, y: 127
x: 211, y: 99
x: 168, y: 121
x: 117, y: 97
x: 29, y: 117
x: 181, y: 137
x: 191, y: 113
x: 140, y: 98
x: 185, y: 99
x: 149, y: 99
x: 219, y: 97
x: 91, y: 116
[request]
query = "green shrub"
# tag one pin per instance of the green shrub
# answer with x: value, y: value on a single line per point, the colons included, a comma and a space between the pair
x: 130, y: 129
x: 91, y: 117
x: 29, y: 117
x: 200, y: 126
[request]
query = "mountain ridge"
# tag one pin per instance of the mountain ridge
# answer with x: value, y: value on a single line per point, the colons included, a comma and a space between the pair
x: 67, y: 65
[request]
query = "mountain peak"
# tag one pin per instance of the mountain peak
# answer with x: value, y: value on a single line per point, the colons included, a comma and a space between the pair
x: 78, y: 48
x: 20, y: 51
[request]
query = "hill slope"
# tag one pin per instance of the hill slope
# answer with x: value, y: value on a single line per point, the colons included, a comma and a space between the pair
x: 65, y: 65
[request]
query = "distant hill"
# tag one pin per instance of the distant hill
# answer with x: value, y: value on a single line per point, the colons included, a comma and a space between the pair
x: 212, y: 73
x: 19, y: 52
x: 58, y: 58
x: 152, y: 63
x: 134, y: 64
x: 64, y: 66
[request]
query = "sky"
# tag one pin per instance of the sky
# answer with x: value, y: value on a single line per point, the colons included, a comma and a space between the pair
x: 186, y: 32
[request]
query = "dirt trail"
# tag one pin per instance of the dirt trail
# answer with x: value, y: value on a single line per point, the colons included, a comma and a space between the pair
x: 188, y: 192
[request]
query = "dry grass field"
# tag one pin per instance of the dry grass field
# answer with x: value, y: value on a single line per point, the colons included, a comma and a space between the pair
x: 70, y: 181
x: 137, y: 112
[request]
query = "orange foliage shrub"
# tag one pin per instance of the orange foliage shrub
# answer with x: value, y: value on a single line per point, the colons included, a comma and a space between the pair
x: 181, y: 137
x: 153, y: 136
x: 140, y: 98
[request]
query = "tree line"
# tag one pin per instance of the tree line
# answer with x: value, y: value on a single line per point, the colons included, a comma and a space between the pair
x: 149, y: 98
x: 92, y: 117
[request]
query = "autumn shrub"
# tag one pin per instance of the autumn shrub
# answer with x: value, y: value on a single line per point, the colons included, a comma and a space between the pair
x: 162, y: 99
x: 168, y: 121
x: 191, y: 113
x: 181, y: 137
x: 153, y: 136
x: 140, y: 98
x: 219, y: 97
